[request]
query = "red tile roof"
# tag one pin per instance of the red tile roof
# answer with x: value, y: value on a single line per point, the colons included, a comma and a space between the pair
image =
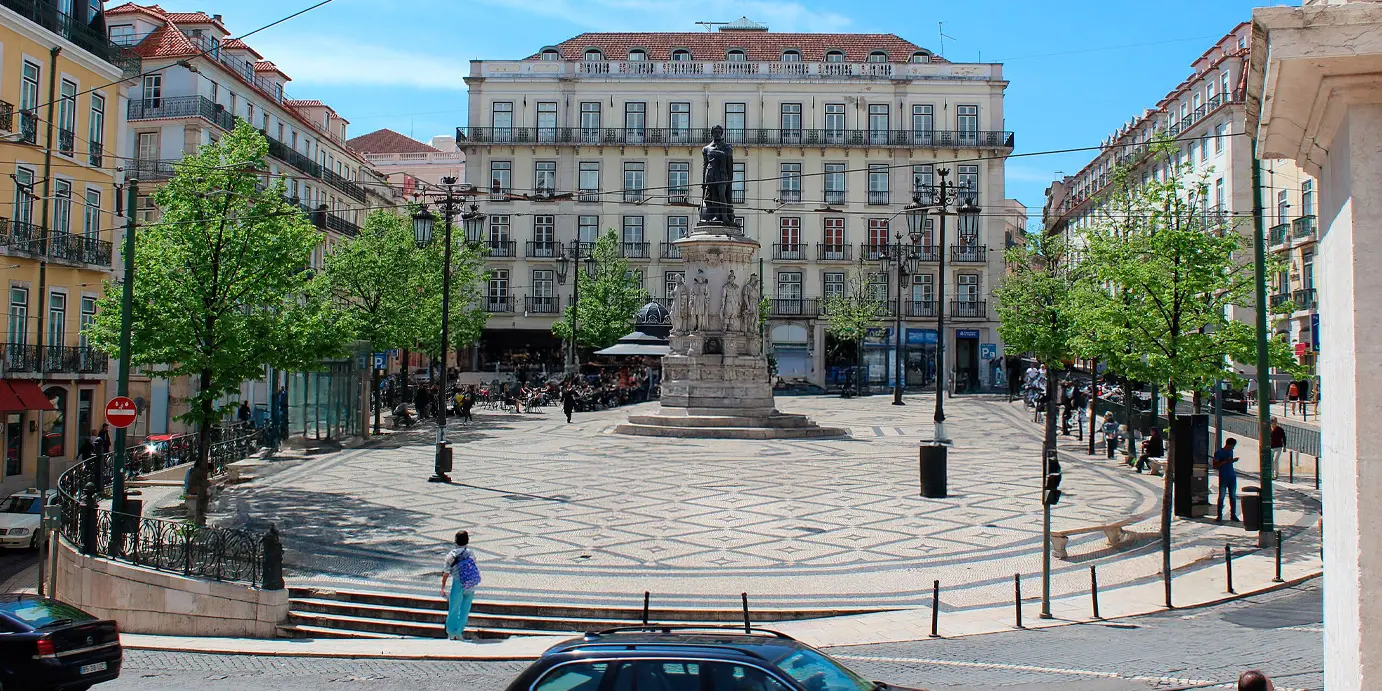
x: 237, y: 44
x: 759, y: 46
x: 266, y: 66
x: 387, y: 141
x: 166, y: 42
x: 175, y: 17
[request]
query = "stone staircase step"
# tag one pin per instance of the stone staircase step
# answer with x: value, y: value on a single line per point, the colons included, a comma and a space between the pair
x: 775, y: 421
x: 340, y: 626
x: 481, y: 620
x: 306, y: 631
x: 688, y: 432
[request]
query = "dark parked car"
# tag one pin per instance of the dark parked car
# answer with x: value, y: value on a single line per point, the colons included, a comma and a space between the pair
x: 1235, y: 399
x: 46, y: 645
x: 688, y: 659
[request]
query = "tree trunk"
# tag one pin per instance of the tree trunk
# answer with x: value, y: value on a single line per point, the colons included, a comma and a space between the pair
x: 1167, y: 496
x: 1128, y: 412
x: 198, y: 479
x: 859, y: 377
x: 1198, y: 402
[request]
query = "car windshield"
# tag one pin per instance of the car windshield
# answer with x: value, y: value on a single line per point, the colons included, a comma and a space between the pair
x: 41, y: 613
x: 817, y: 672
x: 20, y: 505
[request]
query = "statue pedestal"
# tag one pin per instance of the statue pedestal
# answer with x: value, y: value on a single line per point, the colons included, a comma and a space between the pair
x: 715, y: 382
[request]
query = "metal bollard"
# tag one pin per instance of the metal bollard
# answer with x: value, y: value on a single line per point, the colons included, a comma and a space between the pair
x: 1228, y: 566
x: 1278, y: 578
x: 1293, y: 468
x: 646, y: 596
x: 1017, y: 598
x: 935, y: 608
x: 1317, y: 471
x: 1094, y: 590
x: 744, y: 597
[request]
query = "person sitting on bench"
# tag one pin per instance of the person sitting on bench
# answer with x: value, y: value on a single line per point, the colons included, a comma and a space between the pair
x: 1154, y: 447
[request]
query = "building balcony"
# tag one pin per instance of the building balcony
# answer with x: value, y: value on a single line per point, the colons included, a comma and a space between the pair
x: 679, y: 195
x: 543, y: 249
x: 794, y: 307
x: 1304, y: 299
x: 501, y: 248
x: 919, y: 309
x: 790, y: 252
x: 6, y: 116
x: 498, y: 304
x: 20, y: 237
x: 28, y: 127
x: 790, y: 196
x: 92, y: 40
x: 634, y: 196
x: 834, y: 197
x: 340, y: 225
x: 167, y: 108
x: 725, y: 70
x: 834, y: 253
x: 1303, y: 228
x: 1280, y: 234
x: 968, y: 254
x: 78, y: 249
x: 95, y: 153
x: 19, y: 358
x: 879, y: 198
x: 669, y: 250
x: 1279, y: 299
x: 969, y: 309
x: 542, y: 305
x: 300, y: 161
x: 635, y: 250
x: 67, y: 142
x: 699, y: 136
x: 872, y: 253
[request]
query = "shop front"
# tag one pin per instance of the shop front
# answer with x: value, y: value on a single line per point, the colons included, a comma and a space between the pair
x: 791, y: 351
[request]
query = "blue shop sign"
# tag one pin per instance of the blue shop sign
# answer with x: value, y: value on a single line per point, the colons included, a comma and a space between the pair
x: 921, y: 337
x: 1315, y: 332
x: 878, y: 337
x: 967, y: 333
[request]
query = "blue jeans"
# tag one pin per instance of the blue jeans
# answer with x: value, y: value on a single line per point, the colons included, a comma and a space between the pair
x: 458, y: 610
x: 1229, y: 485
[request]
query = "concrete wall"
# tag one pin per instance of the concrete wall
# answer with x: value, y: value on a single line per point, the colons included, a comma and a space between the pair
x: 154, y: 602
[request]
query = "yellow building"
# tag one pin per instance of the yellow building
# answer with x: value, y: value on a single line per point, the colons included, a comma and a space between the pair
x: 62, y: 107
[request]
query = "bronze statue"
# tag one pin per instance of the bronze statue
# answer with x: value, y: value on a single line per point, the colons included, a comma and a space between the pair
x: 718, y: 180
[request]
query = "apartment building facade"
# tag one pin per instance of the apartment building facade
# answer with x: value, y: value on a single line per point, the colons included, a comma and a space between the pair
x: 61, y: 105
x: 409, y: 164
x: 1206, y: 118
x: 832, y: 134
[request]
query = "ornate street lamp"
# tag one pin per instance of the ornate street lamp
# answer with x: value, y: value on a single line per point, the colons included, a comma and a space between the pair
x: 566, y: 260
x: 423, y: 223
x: 906, y: 257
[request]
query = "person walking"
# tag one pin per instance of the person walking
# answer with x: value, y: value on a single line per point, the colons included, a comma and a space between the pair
x: 243, y: 415
x: 1081, y: 402
x: 1110, y: 433
x: 1292, y: 397
x: 568, y: 403
x: 1278, y: 446
x: 464, y: 574
x: 1228, y: 479
x: 103, y: 440
x: 422, y: 400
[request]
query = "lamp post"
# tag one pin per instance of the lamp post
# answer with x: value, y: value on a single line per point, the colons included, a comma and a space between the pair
x: 905, y: 257
x: 451, y: 201
x: 575, y: 255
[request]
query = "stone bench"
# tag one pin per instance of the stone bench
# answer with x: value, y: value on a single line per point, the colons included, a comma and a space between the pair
x: 1157, y: 465
x: 1113, y: 532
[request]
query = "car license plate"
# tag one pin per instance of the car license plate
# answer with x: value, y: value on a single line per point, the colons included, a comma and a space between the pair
x: 94, y: 667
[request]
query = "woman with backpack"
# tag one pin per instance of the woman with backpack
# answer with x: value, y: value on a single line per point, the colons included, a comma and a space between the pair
x: 461, y: 570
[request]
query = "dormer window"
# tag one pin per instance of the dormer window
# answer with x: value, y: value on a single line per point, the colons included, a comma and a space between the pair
x: 681, y: 55
x: 736, y: 55
x: 594, y: 55
x: 878, y: 56
x: 834, y: 56
x: 638, y: 55
x: 791, y: 56
x: 920, y: 57
x: 551, y: 54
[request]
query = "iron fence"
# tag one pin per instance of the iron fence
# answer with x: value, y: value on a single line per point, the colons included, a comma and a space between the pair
x: 980, y: 139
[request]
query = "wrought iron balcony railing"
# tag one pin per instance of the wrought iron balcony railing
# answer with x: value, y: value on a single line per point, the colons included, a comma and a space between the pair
x: 834, y: 253
x: 300, y: 161
x: 28, y: 127
x: 169, y: 107
x: 790, y: 252
x: 6, y: 116
x: 834, y: 197
x: 1304, y: 299
x: 922, y: 309
x: 789, y: 196
x: 878, y: 198
x: 67, y: 142
x: 19, y: 358
x: 1303, y: 228
x: 1279, y: 299
x: 794, y: 307
x: 95, y: 152
x: 969, y: 309
x: 669, y: 250
x: 90, y: 37
x: 872, y: 253
x: 501, y: 248
x: 1280, y: 233
x: 498, y: 304
x: 81, y: 249
x: 542, y: 305
x: 968, y: 254
x: 543, y: 249
x: 20, y: 236
x: 341, y: 225
x: 697, y: 136
x: 635, y: 250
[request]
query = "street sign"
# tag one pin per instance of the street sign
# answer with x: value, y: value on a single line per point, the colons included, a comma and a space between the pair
x: 380, y: 360
x: 120, y: 412
x: 988, y: 351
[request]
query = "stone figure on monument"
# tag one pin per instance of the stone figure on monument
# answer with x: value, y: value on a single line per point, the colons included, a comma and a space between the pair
x: 717, y: 180
x: 699, y: 299
x: 731, y: 307
x: 681, y: 305
x: 749, y: 305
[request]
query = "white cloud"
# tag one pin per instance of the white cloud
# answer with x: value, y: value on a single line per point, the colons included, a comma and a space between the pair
x: 663, y: 15
x: 332, y: 60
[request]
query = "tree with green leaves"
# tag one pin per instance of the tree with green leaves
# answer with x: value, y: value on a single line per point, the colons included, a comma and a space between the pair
x: 1160, y: 277
x: 223, y: 285
x: 468, y: 275
x: 849, y: 316
x: 609, y: 299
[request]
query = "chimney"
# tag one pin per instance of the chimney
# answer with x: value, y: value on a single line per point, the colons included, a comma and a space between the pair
x: 216, y: 17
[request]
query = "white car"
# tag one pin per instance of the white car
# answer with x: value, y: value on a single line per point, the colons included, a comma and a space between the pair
x: 19, y: 519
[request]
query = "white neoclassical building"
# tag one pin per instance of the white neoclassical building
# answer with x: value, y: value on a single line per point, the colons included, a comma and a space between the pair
x: 831, y: 134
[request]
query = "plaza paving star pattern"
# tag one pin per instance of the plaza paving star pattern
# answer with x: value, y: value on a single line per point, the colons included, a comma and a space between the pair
x: 575, y: 513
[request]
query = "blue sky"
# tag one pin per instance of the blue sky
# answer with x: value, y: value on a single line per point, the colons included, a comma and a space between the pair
x: 1078, y: 68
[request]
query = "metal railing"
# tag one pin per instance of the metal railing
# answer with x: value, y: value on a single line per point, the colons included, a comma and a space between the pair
x: 791, y: 196
x: 501, y: 248
x: 1303, y: 228
x: 498, y: 304
x: 879, y: 198
x: 28, y: 127
x: 537, y: 249
x: 1279, y: 299
x: 67, y: 142
x: 635, y: 250
x: 167, y: 107
x: 6, y: 116
x: 669, y: 250
x: 91, y: 38
x: 19, y: 358
x: 81, y: 249
x: 856, y: 138
x: 292, y: 157
x: 872, y: 253
x: 969, y: 309
x: 969, y: 253
x: 340, y: 225
x: 1304, y: 299
x: 834, y: 197
x: 790, y: 251
x: 95, y: 151
x: 149, y: 169
x: 794, y: 307
x: 919, y: 308
x: 542, y: 305
x: 1280, y: 233
x: 19, y: 236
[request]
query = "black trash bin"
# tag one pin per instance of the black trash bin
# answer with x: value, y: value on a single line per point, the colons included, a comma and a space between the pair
x: 1250, y: 502
x: 444, y: 461
x: 933, y: 470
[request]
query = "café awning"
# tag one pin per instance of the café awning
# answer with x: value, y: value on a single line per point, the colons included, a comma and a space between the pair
x: 18, y: 395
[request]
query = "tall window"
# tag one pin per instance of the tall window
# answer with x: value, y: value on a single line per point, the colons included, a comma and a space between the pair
x: 878, y: 183
x: 544, y: 285
x: 967, y: 288
x: 678, y: 227
x: 791, y: 123
x: 834, y: 183
x: 789, y: 234
x: 923, y: 122
x: 679, y: 181
x: 967, y: 122
x: 500, y: 177
x: 923, y: 177
x: 57, y: 319
x: 91, y: 214
x: 967, y: 181
x: 738, y: 188
x: 545, y: 177
x: 878, y: 232
x: 878, y: 123
x: 546, y: 121
x: 498, y: 286
x: 1283, y: 207
x: 834, y: 235
x: 924, y: 288
x: 544, y: 234
x: 633, y: 230
x: 96, y: 131
x: 88, y: 316
x: 17, y: 331
x: 28, y: 102
x: 1307, y: 198
x: 670, y: 280
x: 834, y: 282
x: 1224, y: 87
x: 23, y: 195
x: 1307, y: 270
x: 67, y: 117
x: 498, y: 228
x: 62, y: 206
x: 788, y: 285
x: 589, y: 182
x: 152, y: 92
x: 736, y: 120
x: 635, y: 121
x: 634, y: 174
x: 501, y: 119
x: 791, y: 182
x: 590, y: 121
x: 587, y: 231
x: 834, y: 122
x: 679, y: 120
x: 1219, y: 195
x: 878, y: 286
x: 1218, y: 138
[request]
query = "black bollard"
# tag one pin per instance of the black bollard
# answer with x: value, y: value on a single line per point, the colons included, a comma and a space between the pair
x: 646, y: 595
x: 1293, y: 468
x: 273, y: 560
x: 1317, y: 472
x: 1094, y: 590
x: 1278, y: 578
x: 935, y: 608
x: 1017, y: 598
x: 1228, y: 566
x: 744, y: 597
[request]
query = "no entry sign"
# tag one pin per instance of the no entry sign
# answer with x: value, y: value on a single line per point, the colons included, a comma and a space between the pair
x: 120, y: 412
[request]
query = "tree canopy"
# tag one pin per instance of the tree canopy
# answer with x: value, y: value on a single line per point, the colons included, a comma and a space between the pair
x: 609, y: 299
